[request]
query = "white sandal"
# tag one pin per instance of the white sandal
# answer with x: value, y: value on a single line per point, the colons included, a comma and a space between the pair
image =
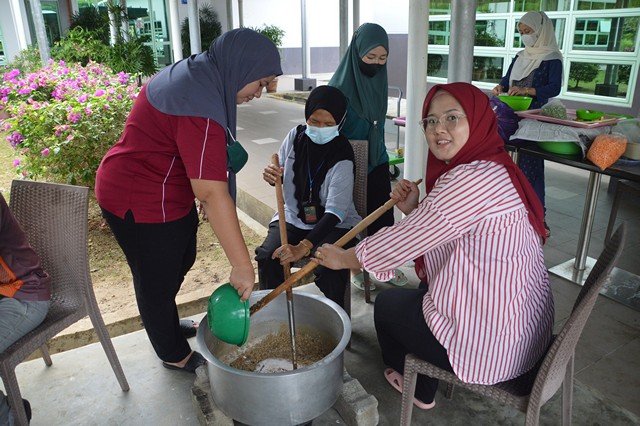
x: 358, y: 282
x: 400, y: 280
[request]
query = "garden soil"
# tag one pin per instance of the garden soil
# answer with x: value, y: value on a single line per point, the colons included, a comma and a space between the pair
x: 112, y: 279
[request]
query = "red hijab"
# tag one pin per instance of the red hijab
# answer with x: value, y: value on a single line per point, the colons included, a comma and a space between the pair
x: 484, y: 143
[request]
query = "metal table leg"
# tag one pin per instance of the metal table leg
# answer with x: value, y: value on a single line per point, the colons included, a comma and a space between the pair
x: 578, y: 269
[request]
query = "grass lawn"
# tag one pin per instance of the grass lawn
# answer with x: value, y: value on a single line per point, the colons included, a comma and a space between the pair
x: 7, y: 171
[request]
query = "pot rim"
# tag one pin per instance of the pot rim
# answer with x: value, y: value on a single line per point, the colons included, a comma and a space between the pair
x: 259, y: 294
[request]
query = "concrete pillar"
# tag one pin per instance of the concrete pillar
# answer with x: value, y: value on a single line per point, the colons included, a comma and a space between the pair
x: 463, y: 18
x: 415, y: 145
x: 20, y: 29
x: 176, y: 38
x: 305, y: 83
x: 229, y: 25
x: 41, y: 33
x: 356, y: 14
x: 194, y: 27
x: 344, y: 26
x: 125, y: 23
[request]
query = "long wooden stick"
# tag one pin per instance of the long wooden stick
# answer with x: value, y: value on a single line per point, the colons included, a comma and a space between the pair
x: 282, y: 223
x: 288, y: 283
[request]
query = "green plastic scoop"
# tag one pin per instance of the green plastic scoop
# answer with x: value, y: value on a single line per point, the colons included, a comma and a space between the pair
x: 228, y: 317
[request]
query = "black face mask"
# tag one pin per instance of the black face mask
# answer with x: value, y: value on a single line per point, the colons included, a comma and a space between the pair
x: 369, y: 69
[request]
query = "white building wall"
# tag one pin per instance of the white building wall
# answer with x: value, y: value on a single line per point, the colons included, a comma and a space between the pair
x: 13, y: 20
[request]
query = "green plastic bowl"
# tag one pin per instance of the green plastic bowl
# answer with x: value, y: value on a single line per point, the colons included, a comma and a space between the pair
x: 517, y: 103
x: 588, y: 115
x: 228, y: 317
x: 566, y: 148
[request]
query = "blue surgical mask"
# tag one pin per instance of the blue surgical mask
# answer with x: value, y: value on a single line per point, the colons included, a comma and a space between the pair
x: 322, y: 135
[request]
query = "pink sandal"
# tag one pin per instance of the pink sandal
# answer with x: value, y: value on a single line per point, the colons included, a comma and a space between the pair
x: 396, y: 380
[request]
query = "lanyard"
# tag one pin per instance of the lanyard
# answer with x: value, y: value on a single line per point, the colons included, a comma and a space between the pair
x: 314, y: 176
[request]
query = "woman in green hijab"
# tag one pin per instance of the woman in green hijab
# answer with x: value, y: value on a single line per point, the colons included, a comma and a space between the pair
x: 362, y: 77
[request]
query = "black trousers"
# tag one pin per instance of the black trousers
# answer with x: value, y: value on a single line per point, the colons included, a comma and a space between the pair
x: 271, y: 273
x: 401, y: 329
x: 159, y: 256
x: 378, y: 189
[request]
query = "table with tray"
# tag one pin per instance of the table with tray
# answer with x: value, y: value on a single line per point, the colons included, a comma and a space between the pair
x: 571, y: 120
x: 578, y: 268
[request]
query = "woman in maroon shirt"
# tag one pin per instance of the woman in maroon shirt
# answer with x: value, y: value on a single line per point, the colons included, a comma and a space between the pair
x: 174, y: 149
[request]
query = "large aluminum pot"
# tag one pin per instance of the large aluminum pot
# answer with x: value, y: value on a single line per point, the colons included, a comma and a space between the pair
x: 279, y: 399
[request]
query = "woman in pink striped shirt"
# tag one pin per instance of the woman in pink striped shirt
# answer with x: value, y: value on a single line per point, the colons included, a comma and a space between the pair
x: 484, y: 309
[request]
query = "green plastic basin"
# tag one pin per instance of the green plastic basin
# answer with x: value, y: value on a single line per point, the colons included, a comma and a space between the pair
x: 517, y: 103
x: 588, y: 115
x: 566, y: 148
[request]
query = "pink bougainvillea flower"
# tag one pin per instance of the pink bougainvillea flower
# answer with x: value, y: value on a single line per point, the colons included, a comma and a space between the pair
x: 16, y: 162
x: 99, y: 93
x: 45, y: 152
x: 74, y: 117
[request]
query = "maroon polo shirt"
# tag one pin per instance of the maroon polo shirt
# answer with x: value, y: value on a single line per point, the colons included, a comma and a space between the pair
x: 149, y: 170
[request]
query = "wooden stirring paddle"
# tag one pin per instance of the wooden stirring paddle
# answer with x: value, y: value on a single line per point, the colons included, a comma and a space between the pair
x: 288, y: 283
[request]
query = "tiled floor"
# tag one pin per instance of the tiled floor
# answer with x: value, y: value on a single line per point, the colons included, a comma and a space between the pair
x: 80, y: 388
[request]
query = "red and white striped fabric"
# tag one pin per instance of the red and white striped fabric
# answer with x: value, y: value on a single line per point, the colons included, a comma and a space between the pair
x: 489, y: 302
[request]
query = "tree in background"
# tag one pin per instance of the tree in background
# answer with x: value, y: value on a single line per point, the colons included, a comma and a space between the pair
x: 88, y: 39
x: 210, y: 29
x: 583, y: 71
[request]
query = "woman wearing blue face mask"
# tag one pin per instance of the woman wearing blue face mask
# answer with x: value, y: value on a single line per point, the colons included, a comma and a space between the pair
x: 536, y: 71
x: 317, y: 169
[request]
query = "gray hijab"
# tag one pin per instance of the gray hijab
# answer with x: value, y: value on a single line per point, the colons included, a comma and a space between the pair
x: 206, y: 85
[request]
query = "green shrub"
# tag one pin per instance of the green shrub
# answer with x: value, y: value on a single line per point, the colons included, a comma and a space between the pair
x: 28, y: 60
x: 94, y: 20
x: 272, y: 32
x: 63, y: 119
x: 88, y: 40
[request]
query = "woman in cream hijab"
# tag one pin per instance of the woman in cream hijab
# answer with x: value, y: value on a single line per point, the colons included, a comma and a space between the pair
x: 536, y: 71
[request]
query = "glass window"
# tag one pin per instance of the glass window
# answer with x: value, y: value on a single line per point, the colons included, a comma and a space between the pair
x: 607, y: 4
x: 492, y: 6
x: 558, y: 25
x: 483, y: 6
x: 437, y: 65
x: 610, y: 80
x: 439, y: 32
x: 541, y: 5
x: 51, y: 21
x: 491, y: 32
x: 3, y: 57
x: 487, y: 69
x: 440, y: 8
x: 86, y: 3
x: 606, y: 34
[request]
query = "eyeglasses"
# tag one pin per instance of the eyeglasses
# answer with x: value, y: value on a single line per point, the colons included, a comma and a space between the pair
x: 431, y: 123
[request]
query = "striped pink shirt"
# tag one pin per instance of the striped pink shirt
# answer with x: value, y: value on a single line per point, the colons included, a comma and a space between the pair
x: 489, y: 302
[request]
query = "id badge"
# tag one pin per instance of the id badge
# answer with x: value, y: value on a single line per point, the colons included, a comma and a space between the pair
x: 310, y: 213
